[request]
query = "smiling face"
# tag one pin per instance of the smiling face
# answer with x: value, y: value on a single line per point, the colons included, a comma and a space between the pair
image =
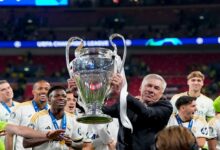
x: 71, y: 103
x: 195, y: 84
x: 6, y: 92
x: 151, y: 90
x: 40, y: 90
x: 58, y: 99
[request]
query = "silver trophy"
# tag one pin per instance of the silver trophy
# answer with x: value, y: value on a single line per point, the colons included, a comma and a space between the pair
x: 92, y: 69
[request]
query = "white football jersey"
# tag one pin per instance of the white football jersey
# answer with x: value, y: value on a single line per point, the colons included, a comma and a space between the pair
x: 21, y: 115
x: 4, y: 113
x: 199, y: 125
x: 204, y: 105
x: 102, y: 134
x: 42, y: 121
x: 214, y: 129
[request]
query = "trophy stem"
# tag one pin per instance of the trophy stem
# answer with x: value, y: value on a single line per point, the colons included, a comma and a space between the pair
x: 94, y: 106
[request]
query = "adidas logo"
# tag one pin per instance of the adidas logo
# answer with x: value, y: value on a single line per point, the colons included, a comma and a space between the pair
x: 48, y: 127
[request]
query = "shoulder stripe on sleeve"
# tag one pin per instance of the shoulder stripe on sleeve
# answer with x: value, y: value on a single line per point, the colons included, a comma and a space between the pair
x: 38, y: 115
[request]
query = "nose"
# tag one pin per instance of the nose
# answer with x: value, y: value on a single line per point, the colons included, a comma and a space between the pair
x: 150, y: 89
x: 60, y: 97
x: 195, y: 108
x: 8, y: 89
x: 72, y: 103
x: 44, y: 90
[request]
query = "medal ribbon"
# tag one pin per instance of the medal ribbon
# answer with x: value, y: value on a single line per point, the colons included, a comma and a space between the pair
x: 6, y: 106
x: 63, y: 122
x: 179, y: 120
x: 36, y: 108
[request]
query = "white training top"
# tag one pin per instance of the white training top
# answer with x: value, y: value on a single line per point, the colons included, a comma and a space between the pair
x: 204, y: 105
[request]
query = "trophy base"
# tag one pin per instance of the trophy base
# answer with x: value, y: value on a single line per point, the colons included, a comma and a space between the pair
x: 94, y: 119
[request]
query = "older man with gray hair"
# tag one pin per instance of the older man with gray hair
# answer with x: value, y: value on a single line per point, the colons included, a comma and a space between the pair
x: 148, y: 115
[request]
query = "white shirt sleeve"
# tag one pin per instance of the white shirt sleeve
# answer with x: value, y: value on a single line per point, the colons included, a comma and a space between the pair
x: 202, y: 128
x: 213, y: 128
x: 76, y: 131
x: 211, y: 110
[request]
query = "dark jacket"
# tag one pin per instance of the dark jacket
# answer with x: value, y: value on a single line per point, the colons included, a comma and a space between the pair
x: 146, y: 121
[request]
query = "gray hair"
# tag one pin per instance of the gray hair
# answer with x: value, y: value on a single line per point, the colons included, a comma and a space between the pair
x: 154, y: 76
x: 3, y: 81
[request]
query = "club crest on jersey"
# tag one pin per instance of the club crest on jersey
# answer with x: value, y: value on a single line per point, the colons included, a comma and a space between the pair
x: 48, y: 128
x: 12, y: 115
x: 31, y: 126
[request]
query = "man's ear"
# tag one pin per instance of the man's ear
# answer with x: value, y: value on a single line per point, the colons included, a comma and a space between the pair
x: 182, y: 107
x: 140, y: 90
x: 33, y: 92
x: 188, y: 82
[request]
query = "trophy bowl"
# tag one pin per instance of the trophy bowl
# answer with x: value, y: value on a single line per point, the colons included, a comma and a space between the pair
x: 92, y: 69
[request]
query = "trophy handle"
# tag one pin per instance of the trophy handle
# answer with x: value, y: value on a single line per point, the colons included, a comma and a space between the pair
x: 116, y: 50
x: 76, y: 53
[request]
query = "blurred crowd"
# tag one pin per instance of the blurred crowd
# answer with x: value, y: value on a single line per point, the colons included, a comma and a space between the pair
x: 159, y: 21
x: 149, y: 19
x: 29, y: 71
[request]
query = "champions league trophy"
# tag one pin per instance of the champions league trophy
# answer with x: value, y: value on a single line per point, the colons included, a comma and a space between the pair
x: 92, y: 69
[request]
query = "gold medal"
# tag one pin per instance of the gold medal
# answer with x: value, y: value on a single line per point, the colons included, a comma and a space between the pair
x: 62, y: 142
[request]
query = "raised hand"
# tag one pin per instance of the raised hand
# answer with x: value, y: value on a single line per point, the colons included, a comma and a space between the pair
x: 112, y: 145
x: 116, y: 83
x: 72, y: 83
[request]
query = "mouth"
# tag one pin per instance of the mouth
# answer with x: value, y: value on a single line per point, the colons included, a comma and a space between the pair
x: 9, y: 95
x: 71, y: 107
x: 43, y: 97
x: 61, y: 103
x: 196, y: 86
x: 148, y: 95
